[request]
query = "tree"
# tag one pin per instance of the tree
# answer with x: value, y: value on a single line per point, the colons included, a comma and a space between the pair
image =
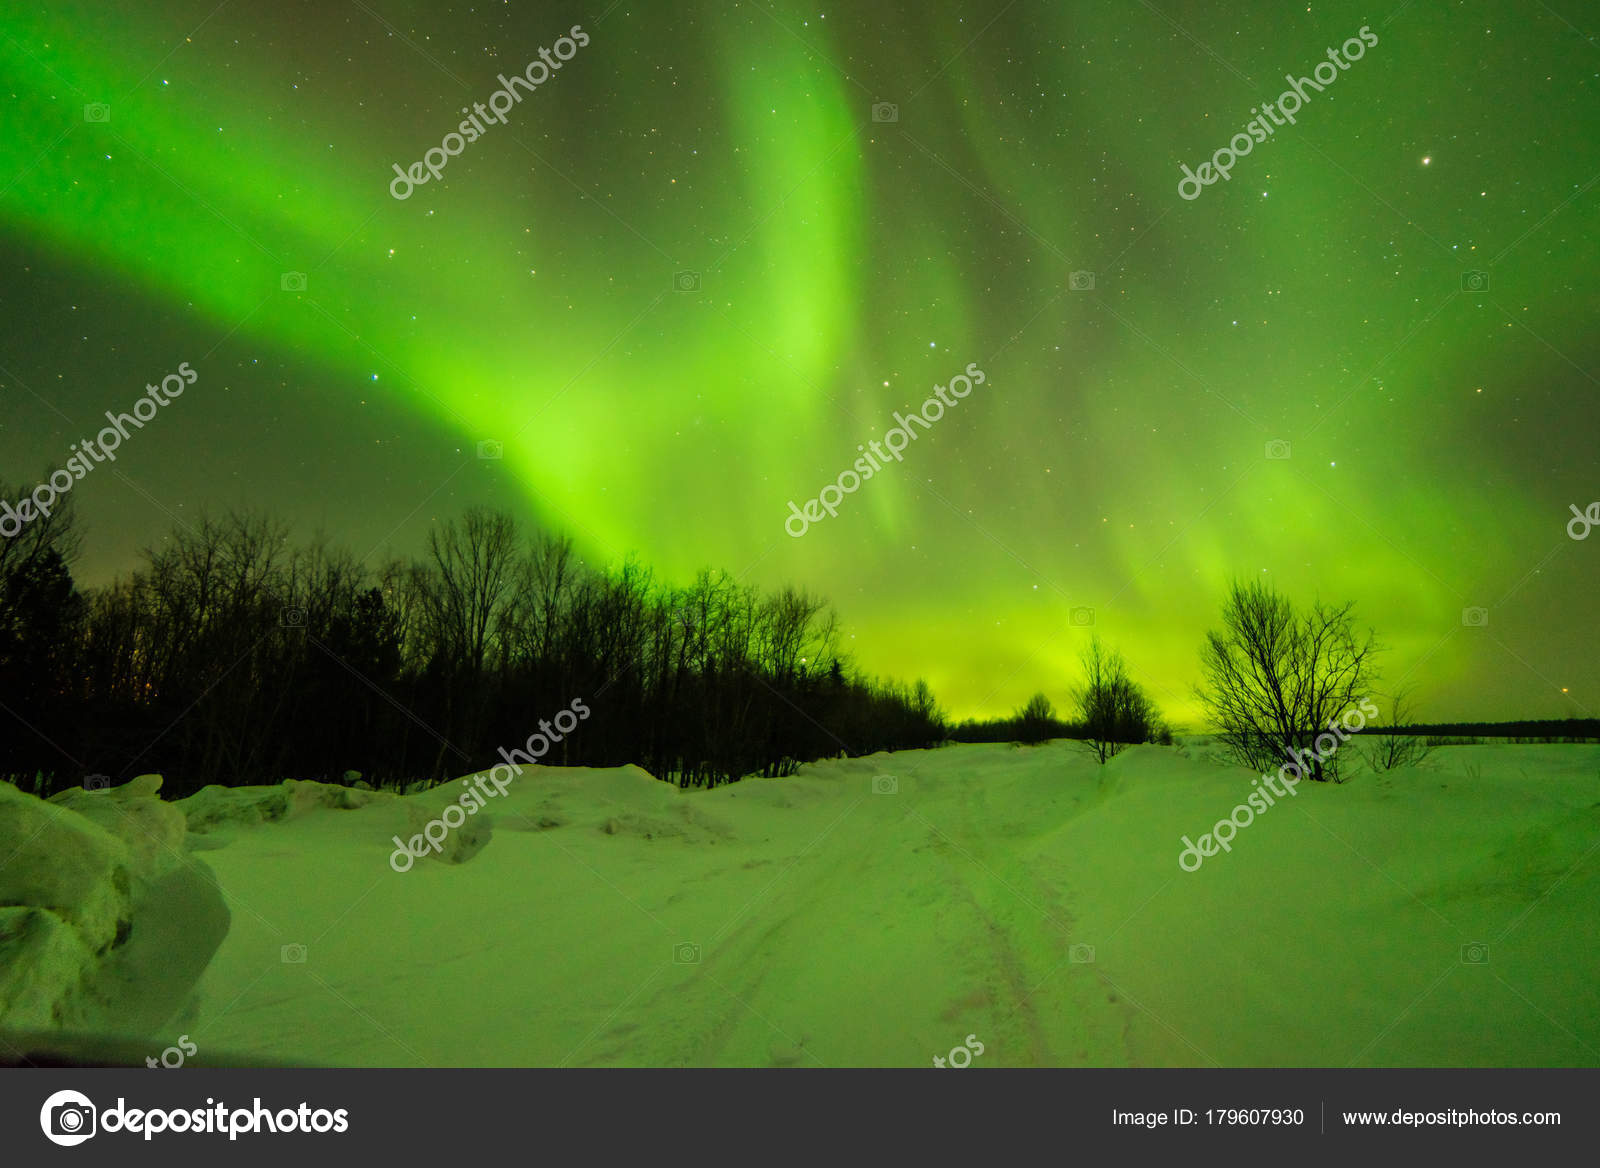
x: 57, y: 532
x: 1036, y: 720
x: 222, y: 644
x: 465, y: 583
x: 1275, y: 680
x: 40, y: 612
x: 462, y: 590
x: 1391, y: 749
x: 236, y: 655
x: 1114, y: 711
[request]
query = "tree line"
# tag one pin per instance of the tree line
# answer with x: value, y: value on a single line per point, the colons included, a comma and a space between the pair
x: 1110, y: 711
x: 235, y: 655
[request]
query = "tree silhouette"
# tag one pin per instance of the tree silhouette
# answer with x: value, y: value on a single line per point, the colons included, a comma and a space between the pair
x: 1114, y: 711
x: 1275, y: 680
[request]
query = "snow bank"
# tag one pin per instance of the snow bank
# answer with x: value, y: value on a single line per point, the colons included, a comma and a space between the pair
x: 214, y: 807
x: 68, y: 869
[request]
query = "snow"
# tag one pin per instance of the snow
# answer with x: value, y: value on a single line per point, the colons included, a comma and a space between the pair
x: 601, y: 917
x: 71, y: 871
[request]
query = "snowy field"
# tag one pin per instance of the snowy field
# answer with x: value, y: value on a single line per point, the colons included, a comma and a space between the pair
x: 869, y: 912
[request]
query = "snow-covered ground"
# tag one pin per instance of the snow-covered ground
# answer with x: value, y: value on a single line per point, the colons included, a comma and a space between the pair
x: 879, y: 911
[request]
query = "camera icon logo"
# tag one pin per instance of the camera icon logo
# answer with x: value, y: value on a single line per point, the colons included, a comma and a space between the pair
x: 1477, y: 953
x: 97, y: 111
x: 293, y: 954
x: 293, y: 618
x: 1475, y: 618
x: 1082, y: 617
x: 68, y: 1118
x: 96, y: 782
x: 292, y: 281
x: 686, y: 282
x: 1081, y: 281
x: 1474, y: 281
x: 885, y: 111
x: 1277, y: 448
x: 686, y: 953
x: 885, y: 785
x: 1081, y: 955
x: 490, y: 449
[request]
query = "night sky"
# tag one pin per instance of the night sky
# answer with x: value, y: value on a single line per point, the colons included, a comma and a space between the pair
x: 695, y: 269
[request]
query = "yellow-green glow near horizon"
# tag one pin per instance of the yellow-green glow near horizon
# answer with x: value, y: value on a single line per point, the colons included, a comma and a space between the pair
x: 1115, y: 458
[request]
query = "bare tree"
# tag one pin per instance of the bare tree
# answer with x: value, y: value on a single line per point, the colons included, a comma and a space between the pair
x: 1275, y: 680
x: 1389, y: 750
x: 1114, y: 711
x: 465, y: 583
x: 1035, y: 721
x: 58, y: 532
x: 235, y: 655
x: 542, y: 580
x: 462, y: 590
x: 41, y: 615
x: 208, y: 612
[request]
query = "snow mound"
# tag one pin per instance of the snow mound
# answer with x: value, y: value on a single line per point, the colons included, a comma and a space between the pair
x: 683, y: 822
x: 66, y: 894
x: 42, y: 963
x: 65, y: 863
x: 217, y: 806
x: 621, y: 801
x: 628, y: 787
x: 153, y: 831
x: 459, y: 845
x: 106, y: 922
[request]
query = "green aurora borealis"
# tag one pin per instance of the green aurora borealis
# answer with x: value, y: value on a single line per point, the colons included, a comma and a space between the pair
x: 1113, y: 461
